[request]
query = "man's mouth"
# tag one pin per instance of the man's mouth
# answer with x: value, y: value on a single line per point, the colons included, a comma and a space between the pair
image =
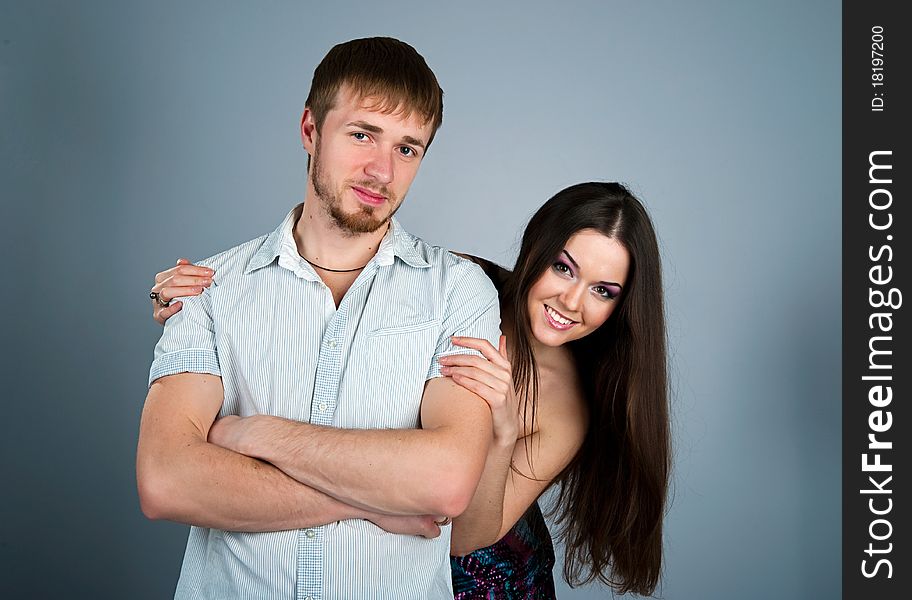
x: 368, y: 197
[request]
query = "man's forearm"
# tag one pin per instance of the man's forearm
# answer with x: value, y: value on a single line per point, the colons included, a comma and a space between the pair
x: 397, y: 471
x: 182, y: 476
x: 208, y: 486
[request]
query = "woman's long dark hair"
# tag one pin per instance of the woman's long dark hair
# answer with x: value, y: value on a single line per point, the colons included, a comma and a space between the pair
x: 612, y: 495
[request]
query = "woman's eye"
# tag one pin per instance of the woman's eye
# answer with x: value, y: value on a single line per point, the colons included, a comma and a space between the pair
x: 604, y: 292
x: 562, y: 268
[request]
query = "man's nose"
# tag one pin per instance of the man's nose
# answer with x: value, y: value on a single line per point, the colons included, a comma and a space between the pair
x: 380, y: 166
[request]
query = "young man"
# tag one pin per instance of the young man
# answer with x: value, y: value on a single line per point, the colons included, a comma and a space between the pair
x: 317, y: 345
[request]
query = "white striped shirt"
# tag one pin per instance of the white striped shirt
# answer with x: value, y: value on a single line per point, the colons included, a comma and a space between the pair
x: 269, y: 327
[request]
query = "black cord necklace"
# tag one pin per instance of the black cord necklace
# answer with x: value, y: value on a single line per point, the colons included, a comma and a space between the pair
x: 313, y: 264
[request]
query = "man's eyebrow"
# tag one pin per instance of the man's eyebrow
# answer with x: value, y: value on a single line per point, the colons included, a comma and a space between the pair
x: 365, y: 126
x: 413, y: 141
x: 374, y: 129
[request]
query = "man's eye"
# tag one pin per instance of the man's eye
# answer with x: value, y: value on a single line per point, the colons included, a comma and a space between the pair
x: 359, y: 135
x: 406, y: 151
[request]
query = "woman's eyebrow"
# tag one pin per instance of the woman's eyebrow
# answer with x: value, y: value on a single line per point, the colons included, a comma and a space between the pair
x: 570, y: 258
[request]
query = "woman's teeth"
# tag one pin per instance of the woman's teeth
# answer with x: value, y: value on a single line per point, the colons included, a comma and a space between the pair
x: 557, y: 316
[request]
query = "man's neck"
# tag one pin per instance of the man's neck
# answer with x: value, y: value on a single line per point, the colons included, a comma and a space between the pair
x: 321, y: 241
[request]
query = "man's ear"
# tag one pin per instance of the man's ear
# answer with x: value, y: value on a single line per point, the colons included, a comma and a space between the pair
x: 308, y: 130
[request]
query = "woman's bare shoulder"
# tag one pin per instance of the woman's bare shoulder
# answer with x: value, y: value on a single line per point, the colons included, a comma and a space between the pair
x: 561, y: 402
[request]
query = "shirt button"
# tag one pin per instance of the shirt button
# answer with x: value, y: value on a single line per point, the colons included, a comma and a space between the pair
x: 308, y: 597
x: 310, y: 533
x: 331, y: 343
x: 322, y: 407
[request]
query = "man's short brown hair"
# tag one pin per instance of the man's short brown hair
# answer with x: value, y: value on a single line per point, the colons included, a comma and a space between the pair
x: 382, y: 70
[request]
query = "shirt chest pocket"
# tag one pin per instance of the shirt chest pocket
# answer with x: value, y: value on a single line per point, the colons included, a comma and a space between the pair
x: 389, y: 377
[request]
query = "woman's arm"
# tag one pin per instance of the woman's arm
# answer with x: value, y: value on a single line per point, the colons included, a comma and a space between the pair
x: 480, y: 525
x: 504, y: 494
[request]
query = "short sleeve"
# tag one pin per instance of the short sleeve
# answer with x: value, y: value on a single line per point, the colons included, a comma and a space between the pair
x: 187, y: 344
x: 473, y: 310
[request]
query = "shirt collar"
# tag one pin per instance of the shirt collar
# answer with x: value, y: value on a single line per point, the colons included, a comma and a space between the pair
x: 396, y: 242
x: 404, y: 245
x: 272, y: 247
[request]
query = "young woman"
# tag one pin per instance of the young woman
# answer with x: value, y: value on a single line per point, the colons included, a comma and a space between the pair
x: 578, y: 395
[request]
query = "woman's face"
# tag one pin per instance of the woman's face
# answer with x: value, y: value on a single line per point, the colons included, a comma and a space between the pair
x: 581, y: 288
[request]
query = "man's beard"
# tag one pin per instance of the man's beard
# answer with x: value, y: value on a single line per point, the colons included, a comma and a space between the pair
x: 365, y: 219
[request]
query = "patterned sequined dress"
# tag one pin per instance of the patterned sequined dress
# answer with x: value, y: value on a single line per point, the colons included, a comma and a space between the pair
x: 517, y: 567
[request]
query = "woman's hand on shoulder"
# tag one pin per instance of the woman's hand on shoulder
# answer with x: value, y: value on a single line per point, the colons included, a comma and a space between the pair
x: 491, y: 378
x: 184, y: 279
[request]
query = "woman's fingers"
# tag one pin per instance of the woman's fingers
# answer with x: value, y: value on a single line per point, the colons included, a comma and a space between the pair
x: 483, y: 346
x: 488, y: 394
x: 184, y: 267
x: 469, y: 360
x: 477, y: 362
x: 167, y: 294
x: 495, y: 383
x: 183, y: 279
x: 191, y: 269
x: 187, y: 281
x: 188, y: 271
x: 503, y: 412
x: 180, y: 285
x: 166, y: 312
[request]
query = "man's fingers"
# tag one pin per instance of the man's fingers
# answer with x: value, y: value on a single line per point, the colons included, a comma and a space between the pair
x: 432, y: 528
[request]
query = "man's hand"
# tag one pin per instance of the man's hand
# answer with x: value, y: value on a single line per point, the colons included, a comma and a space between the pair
x: 423, y: 525
x: 433, y: 470
x: 236, y: 433
x: 232, y: 432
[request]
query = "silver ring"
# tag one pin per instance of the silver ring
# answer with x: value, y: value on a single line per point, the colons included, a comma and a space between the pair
x: 445, y: 521
x: 158, y: 299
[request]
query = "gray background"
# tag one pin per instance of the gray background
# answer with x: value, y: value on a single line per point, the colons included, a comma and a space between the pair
x: 133, y: 133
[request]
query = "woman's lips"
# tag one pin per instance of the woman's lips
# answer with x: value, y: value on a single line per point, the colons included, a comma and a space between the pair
x: 557, y: 324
